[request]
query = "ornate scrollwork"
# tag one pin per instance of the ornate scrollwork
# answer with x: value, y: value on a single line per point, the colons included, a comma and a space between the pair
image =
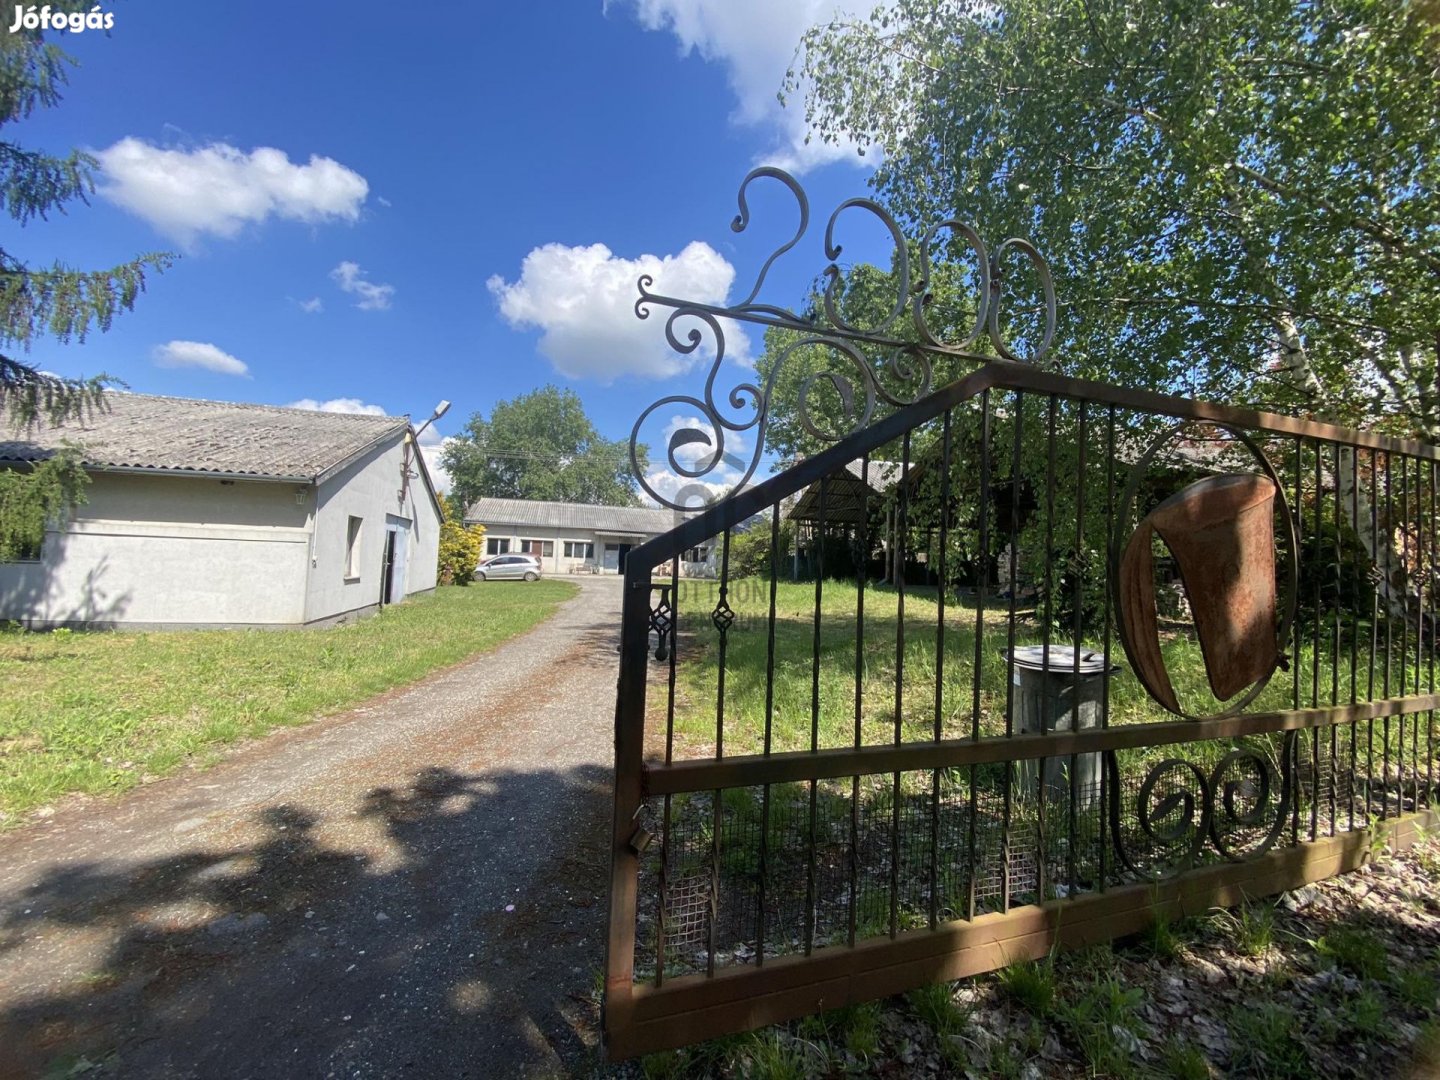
x: 662, y: 621
x: 1251, y: 801
x: 1239, y: 807
x: 906, y: 360
x: 723, y: 615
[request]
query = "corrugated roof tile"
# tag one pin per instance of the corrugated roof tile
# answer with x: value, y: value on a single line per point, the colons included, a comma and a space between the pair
x: 187, y: 435
x: 537, y: 513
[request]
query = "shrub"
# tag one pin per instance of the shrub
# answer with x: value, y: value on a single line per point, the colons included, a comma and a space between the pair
x: 460, y: 550
x: 750, y: 550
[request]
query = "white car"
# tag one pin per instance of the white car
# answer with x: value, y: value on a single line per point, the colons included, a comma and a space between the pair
x: 503, y: 567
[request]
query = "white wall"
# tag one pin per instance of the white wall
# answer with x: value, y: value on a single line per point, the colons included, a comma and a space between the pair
x: 557, y: 563
x: 167, y: 550
x: 369, y: 488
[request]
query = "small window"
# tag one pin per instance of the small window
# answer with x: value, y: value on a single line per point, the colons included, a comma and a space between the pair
x: 579, y: 549
x: 352, y: 549
x: 538, y: 548
x: 497, y: 545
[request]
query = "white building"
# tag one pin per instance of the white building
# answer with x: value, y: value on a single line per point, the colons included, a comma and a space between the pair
x: 211, y: 514
x: 568, y: 538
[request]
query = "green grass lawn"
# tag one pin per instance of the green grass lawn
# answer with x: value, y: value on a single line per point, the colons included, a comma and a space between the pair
x: 990, y: 823
x: 795, y: 668
x: 100, y: 712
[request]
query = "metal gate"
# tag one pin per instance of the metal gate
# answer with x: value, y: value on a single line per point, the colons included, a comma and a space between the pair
x: 841, y: 786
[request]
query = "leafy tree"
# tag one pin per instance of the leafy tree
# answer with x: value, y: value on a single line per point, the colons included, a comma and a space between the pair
x: 1238, y: 200
x: 56, y: 301
x: 540, y: 445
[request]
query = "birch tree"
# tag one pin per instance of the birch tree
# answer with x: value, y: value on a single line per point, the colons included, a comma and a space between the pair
x: 1238, y: 200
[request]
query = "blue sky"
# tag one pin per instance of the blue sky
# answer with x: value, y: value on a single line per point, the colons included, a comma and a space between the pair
x: 383, y: 205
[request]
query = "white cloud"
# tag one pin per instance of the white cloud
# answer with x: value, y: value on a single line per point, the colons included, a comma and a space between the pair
x: 718, y: 481
x: 431, y: 447
x: 338, y: 405
x: 351, y: 279
x: 582, y: 299
x: 313, y: 306
x: 198, y: 354
x: 219, y: 189
x: 756, y: 41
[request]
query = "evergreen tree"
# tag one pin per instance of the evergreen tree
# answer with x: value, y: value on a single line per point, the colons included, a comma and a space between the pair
x: 55, y: 301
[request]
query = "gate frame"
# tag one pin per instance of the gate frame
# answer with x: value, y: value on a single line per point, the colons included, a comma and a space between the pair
x: 687, y: 1008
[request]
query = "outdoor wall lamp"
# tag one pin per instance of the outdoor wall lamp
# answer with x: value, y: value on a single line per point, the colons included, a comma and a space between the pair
x: 413, y: 440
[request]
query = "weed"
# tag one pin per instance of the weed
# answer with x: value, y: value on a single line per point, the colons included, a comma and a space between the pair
x: 1427, y: 855
x: 1250, y: 927
x: 936, y: 1007
x: 1031, y: 983
x: 1160, y: 936
x: 1006, y: 1062
x: 1416, y: 988
x: 770, y: 1055
x: 1377, y: 844
x: 862, y: 1031
x: 1183, y: 1061
x: 1427, y: 1049
x: 1354, y: 950
x: 1268, y: 1042
x: 1103, y: 1022
x: 1365, y: 1012
x: 665, y: 1065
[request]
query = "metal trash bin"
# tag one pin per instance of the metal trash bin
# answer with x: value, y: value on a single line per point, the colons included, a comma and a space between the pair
x: 1049, y: 697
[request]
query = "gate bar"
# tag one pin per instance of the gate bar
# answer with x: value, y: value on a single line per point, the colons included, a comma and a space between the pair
x: 706, y: 774
x: 629, y: 751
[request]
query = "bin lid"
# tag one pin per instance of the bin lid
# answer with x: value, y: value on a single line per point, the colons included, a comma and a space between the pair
x: 1060, y: 660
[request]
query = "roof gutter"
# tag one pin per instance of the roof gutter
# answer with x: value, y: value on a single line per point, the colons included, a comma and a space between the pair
x: 154, y: 470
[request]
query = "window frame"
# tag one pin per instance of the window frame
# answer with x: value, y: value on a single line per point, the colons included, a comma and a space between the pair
x: 354, y: 532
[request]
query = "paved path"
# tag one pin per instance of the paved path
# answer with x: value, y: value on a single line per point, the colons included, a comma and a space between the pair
x: 411, y: 888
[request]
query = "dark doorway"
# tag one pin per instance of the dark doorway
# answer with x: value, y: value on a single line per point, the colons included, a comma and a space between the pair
x: 386, y: 571
x: 624, y: 550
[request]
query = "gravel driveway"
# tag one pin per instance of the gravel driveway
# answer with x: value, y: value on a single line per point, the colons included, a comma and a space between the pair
x: 414, y: 887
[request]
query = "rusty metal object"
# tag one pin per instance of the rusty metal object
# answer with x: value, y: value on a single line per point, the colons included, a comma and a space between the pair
x: 1221, y: 532
x: 1137, y: 614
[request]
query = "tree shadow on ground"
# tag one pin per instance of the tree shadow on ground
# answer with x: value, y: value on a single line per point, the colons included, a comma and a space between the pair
x: 454, y: 926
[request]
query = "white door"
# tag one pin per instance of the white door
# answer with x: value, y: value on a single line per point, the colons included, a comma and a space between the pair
x: 400, y: 527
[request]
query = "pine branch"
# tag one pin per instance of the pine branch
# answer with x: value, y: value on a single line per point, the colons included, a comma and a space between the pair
x: 32, y: 183
x: 64, y: 303
x: 28, y: 395
x: 32, y: 71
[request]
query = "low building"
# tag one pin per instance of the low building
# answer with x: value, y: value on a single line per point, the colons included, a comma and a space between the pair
x: 214, y: 514
x: 568, y: 538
